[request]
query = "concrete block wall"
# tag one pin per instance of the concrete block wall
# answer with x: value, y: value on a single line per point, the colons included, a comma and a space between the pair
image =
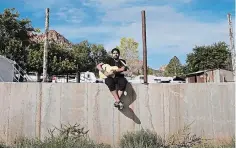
x: 30, y: 109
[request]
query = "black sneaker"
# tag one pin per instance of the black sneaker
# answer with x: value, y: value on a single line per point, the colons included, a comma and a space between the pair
x: 116, y: 104
x: 121, y: 105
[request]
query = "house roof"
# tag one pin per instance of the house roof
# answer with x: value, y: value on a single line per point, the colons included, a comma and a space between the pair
x: 9, y: 60
x: 197, y: 72
x: 202, y: 71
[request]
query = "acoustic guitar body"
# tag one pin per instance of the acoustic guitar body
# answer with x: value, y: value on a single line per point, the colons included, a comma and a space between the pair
x: 108, y: 69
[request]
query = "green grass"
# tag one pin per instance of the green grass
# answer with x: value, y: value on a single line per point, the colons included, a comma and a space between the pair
x: 65, y: 137
x: 217, y: 143
x: 180, y: 139
x: 58, y: 142
x: 75, y: 137
x: 141, y: 139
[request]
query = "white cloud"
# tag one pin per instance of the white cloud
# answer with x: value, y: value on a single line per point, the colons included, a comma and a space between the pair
x: 70, y: 14
x: 62, y: 10
x: 111, y: 4
x: 168, y: 31
x: 107, y: 4
x: 43, y: 4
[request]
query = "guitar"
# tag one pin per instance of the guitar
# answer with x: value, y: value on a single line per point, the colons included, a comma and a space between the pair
x: 108, y: 69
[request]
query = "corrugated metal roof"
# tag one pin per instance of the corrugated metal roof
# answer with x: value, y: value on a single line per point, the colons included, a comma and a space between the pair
x: 197, y: 72
x: 202, y: 71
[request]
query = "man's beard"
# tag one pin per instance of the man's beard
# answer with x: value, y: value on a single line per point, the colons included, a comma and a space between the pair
x: 116, y: 58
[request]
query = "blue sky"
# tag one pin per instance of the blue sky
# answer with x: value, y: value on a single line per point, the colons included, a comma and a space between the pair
x: 174, y: 27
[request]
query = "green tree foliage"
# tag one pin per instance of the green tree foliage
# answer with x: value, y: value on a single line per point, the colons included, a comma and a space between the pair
x: 81, y: 55
x: 14, y: 36
x: 97, y: 54
x: 150, y: 71
x: 155, y: 72
x: 60, y: 60
x: 174, y: 68
x: 129, y: 51
x: 213, y: 56
x: 128, y: 48
x: 87, y: 56
x: 35, y: 58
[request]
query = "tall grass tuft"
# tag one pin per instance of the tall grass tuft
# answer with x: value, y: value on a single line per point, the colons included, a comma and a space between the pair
x: 65, y: 137
x: 69, y: 136
x: 141, y: 139
x: 181, y: 139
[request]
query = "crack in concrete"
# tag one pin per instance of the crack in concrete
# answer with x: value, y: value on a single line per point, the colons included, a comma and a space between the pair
x: 61, y: 97
x: 8, y: 120
x: 212, y: 118
x: 96, y: 113
x: 87, y: 102
x: 149, y: 110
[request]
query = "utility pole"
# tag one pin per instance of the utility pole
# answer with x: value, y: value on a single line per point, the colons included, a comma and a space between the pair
x: 232, y: 49
x: 45, y: 52
x: 144, y: 46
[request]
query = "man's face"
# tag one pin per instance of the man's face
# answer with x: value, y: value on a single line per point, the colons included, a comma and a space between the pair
x: 115, y: 55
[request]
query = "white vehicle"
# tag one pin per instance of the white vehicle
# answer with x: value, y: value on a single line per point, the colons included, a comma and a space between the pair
x: 88, y: 77
x: 84, y: 77
x: 140, y: 79
x: 32, y: 77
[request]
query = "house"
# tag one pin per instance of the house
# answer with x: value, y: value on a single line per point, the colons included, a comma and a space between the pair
x: 6, y: 69
x: 211, y: 75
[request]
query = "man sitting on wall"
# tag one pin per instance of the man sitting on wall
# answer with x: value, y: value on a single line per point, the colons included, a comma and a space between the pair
x: 116, y: 77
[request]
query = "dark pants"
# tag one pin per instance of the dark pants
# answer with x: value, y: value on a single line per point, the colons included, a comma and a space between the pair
x: 119, y: 81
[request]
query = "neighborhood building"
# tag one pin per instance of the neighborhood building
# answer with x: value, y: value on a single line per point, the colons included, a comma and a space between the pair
x: 212, y: 75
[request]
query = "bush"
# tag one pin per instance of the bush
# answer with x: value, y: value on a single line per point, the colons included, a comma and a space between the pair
x: 216, y: 144
x: 180, y: 139
x: 75, y: 137
x: 68, y: 137
x: 141, y: 139
x: 3, y: 146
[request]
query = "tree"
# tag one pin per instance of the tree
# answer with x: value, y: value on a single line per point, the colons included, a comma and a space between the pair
x: 35, y: 59
x: 60, y: 60
x: 87, y: 55
x: 174, y: 68
x: 14, y: 36
x: 129, y: 51
x: 213, y: 56
x: 81, y: 55
x: 150, y: 71
x: 97, y: 54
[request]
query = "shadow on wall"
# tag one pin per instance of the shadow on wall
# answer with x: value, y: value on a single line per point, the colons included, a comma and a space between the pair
x: 128, y: 100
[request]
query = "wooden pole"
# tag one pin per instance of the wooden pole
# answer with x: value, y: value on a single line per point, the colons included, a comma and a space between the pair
x: 144, y: 46
x: 232, y: 49
x: 45, y: 53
